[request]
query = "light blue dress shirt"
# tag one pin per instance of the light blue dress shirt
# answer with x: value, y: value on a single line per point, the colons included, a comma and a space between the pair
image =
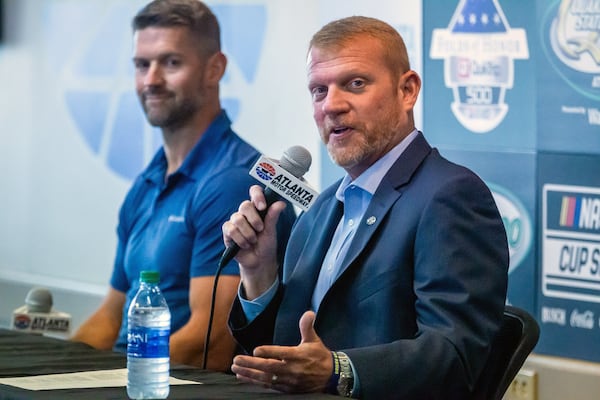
x: 356, y: 196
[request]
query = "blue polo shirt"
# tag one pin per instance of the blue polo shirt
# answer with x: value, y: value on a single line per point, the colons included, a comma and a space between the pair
x: 174, y: 225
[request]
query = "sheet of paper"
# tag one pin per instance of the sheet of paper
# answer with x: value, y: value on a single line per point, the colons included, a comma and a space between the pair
x: 88, y: 379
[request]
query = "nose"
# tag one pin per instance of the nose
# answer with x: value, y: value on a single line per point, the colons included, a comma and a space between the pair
x: 334, y: 102
x: 153, y: 76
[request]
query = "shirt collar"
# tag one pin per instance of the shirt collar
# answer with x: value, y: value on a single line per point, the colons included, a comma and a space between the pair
x: 201, y: 151
x: 371, y: 178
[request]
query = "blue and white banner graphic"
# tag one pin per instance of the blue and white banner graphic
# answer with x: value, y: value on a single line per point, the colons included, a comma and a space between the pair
x: 568, y: 72
x: 478, y: 90
x: 569, y: 247
x: 479, y: 48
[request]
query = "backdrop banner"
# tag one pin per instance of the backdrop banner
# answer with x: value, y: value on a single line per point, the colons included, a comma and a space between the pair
x: 569, y: 243
x: 478, y: 90
x: 511, y: 179
x: 568, y: 76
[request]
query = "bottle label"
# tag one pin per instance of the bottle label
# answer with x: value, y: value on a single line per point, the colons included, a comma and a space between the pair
x: 148, y: 342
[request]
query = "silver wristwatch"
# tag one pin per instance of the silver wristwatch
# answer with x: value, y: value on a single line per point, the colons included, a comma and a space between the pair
x: 346, y: 381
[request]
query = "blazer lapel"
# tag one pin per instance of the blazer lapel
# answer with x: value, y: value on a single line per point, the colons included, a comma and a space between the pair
x: 303, y: 278
x: 388, y: 192
x: 310, y: 259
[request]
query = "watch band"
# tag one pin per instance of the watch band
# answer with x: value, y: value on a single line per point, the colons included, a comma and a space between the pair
x: 346, y: 380
x: 335, y: 375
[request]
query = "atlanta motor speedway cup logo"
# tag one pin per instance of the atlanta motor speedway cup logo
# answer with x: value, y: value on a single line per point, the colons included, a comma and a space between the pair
x: 478, y: 49
x: 517, y: 223
x: 573, y: 30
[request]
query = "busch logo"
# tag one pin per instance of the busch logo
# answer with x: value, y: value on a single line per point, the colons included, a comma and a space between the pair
x: 554, y: 316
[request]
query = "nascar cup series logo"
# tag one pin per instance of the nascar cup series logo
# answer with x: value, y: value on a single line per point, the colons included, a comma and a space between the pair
x: 571, y: 242
x: 517, y: 223
x: 572, y: 28
x: 478, y: 49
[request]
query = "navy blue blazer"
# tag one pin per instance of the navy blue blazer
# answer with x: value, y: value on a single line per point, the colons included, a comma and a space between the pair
x: 423, y: 286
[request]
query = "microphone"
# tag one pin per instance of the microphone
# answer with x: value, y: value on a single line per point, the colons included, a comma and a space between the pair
x: 37, y: 315
x: 283, y: 181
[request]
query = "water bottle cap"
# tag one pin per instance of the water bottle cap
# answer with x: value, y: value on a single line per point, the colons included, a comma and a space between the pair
x: 150, y: 276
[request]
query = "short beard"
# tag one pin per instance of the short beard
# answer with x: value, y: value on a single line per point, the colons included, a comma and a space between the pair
x: 346, y: 159
x: 376, y: 142
x: 172, y: 117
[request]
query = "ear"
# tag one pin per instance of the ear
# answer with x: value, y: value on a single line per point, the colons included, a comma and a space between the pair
x: 410, y: 86
x: 215, y: 68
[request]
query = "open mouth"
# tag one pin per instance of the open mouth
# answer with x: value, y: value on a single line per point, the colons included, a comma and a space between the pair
x: 340, y: 130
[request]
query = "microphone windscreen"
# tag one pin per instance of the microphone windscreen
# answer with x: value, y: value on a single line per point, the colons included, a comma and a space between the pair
x: 296, y: 160
x: 39, y: 300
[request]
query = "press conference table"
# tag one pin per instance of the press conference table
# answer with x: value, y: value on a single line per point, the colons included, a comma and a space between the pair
x: 24, y: 354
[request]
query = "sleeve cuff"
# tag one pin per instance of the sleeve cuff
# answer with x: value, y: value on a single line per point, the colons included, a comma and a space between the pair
x: 254, y: 307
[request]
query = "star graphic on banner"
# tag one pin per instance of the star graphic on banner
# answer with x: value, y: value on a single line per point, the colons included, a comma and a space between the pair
x: 472, y: 19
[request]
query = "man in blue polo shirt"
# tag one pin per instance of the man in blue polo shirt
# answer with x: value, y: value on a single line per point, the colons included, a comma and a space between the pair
x: 171, y: 218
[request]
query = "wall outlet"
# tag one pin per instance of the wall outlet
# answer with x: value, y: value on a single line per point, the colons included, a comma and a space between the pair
x: 523, y: 387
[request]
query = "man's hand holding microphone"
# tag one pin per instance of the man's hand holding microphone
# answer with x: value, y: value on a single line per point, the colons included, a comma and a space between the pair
x: 251, y: 236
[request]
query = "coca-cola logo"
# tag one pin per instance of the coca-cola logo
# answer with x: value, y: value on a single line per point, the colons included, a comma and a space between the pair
x: 583, y: 319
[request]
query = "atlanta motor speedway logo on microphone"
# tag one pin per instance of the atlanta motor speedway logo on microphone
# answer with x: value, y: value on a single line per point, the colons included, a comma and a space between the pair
x: 21, y: 322
x: 27, y: 321
x: 285, y: 184
x: 265, y: 171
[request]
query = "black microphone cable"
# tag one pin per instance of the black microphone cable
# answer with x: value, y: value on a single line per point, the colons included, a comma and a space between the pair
x: 211, y: 314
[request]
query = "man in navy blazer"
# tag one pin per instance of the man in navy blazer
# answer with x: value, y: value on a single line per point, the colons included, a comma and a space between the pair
x: 394, y: 282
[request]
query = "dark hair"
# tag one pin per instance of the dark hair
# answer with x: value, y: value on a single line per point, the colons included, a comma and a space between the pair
x: 191, y: 14
x: 338, y: 33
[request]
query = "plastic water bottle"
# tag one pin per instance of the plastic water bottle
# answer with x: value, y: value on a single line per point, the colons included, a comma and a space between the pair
x: 148, y: 330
